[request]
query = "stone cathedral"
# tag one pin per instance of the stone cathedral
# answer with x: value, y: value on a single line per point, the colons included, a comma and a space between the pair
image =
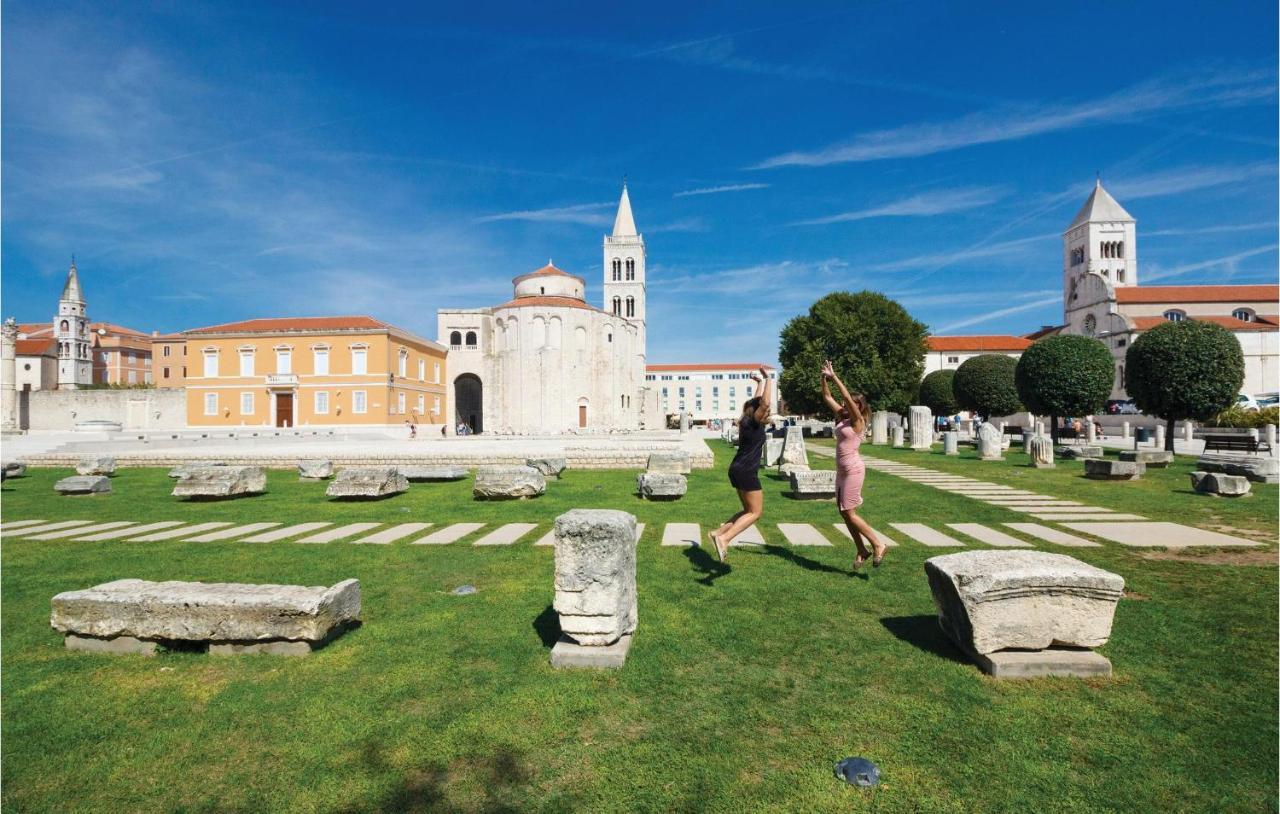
x: 549, y: 362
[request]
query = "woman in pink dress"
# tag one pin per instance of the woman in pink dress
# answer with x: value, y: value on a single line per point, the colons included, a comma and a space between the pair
x: 852, y: 418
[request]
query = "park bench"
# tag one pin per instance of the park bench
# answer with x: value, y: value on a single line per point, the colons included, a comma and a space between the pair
x: 1012, y: 430
x: 1233, y: 443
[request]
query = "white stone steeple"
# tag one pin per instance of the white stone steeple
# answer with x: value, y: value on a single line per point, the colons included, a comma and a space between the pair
x: 624, y: 273
x: 71, y: 330
x: 1102, y: 240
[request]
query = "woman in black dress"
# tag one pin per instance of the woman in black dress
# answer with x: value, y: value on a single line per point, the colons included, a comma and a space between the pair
x: 742, y: 472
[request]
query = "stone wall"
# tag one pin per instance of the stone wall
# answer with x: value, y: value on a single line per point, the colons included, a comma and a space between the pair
x: 133, y: 409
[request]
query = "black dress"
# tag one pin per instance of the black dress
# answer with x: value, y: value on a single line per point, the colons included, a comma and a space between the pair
x: 742, y: 472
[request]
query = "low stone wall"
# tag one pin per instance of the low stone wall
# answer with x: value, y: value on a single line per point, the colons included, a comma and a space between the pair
x: 583, y: 460
x: 133, y: 409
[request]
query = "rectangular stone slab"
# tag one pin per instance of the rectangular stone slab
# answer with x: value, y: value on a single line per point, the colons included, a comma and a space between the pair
x: 930, y: 537
x: 569, y: 654
x: 1168, y: 535
x: 198, y: 611
x: 1051, y: 535
x: 17, y: 524
x: 394, y: 533
x: 750, y: 536
x: 61, y: 524
x: 802, y: 534
x: 843, y: 529
x: 179, y: 532
x: 1094, y: 516
x: 71, y: 532
x: 287, y: 531
x: 506, y: 535
x: 341, y: 532
x: 228, y: 534
x: 130, y: 531
x: 989, y: 536
x: 1027, y: 600
x: 682, y: 534
x: 449, y: 534
x: 1059, y: 662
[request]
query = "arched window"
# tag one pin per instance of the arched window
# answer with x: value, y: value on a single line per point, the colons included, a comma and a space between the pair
x: 1243, y: 314
x: 1090, y: 325
x: 64, y: 326
x: 555, y: 329
x: 631, y: 269
x: 471, y: 339
x: 539, y: 337
x: 513, y: 334
x: 402, y: 369
x: 631, y: 306
x: 617, y: 306
x: 617, y: 270
x: 1120, y: 249
x: 455, y: 339
x: 1174, y: 315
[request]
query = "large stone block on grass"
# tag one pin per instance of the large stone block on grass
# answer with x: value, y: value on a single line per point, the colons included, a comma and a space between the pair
x: 1040, y: 449
x: 951, y: 443
x: 1152, y: 458
x: 319, y: 469
x: 1256, y: 469
x: 181, y: 470
x: 221, y: 482
x: 1026, y: 600
x: 921, y: 419
x: 661, y: 485
x: 1220, y: 483
x: 1106, y: 469
x: 880, y: 427
x: 13, y: 469
x: 1068, y: 452
x: 990, y: 442
x: 813, y: 484
x: 433, y: 473
x: 508, y: 483
x: 595, y: 575
x: 96, y: 465
x: 549, y: 467
x: 204, y: 612
x: 772, y: 451
x: 674, y: 462
x: 795, y: 456
x: 83, y: 485
x: 367, y: 482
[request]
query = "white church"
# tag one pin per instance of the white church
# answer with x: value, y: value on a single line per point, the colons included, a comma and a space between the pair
x: 549, y: 362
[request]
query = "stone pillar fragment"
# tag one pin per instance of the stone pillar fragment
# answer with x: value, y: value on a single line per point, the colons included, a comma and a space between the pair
x: 1160, y: 435
x: 9, y: 376
x: 1188, y: 431
x: 1271, y: 437
x: 1040, y: 449
x: 795, y: 456
x: 990, y: 442
x: 921, y: 428
x: 1124, y: 430
x: 1090, y: 432
x: 951, y: 443
x: 595, y: 587
x: 897, y: 436
x: 880, y: 427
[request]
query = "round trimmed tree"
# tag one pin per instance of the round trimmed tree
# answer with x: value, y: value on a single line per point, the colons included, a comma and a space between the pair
x: 1065, y: 375
x: 936, y: 392
x: 1184, y: 370
x: 874, y: 344
x: 985, y: 385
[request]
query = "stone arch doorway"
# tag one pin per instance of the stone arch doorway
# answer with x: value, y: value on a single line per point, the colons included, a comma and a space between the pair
x: 468, y: 401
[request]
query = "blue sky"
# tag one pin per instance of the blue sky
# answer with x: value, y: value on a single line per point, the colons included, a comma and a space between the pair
x: 213, y: 162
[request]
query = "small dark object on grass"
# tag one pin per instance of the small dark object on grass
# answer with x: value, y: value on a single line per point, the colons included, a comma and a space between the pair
x: 464, y: 590
x: 858, y: 771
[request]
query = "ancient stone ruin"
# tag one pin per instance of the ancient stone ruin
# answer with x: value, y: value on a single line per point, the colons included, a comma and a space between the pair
x: 221, y: 482
x: 595, y: 587
x: 921, y: 428
x: 508, y: 483
x: 367, y: 482
x: 661, y: 485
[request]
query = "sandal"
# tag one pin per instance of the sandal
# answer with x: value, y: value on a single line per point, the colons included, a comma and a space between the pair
x: 715, y: 541
x: 879, y: 558
x: 860, y: 561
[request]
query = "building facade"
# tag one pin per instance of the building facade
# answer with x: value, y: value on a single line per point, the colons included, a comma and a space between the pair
x: 707, y: 392
x: 168, y: 360
x: 546, y: 361
x: 949, y: 352
x: 312, y: 371
x: 70, y: 329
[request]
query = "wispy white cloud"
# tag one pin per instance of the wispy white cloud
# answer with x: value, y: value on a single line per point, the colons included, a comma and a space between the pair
x: 1212, y: 230
x: 934, y: 260
x: 717, y: 190
x: 1010, y: 123
x: 988, y: 316
x: 937, y: 202
x: 1228, y: 264
x: 1189, y: 179
x: 586, y: 214
x: 681, y: 225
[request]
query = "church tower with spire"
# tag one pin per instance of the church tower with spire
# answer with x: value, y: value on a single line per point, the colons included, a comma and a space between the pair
x: 71, y: 330
x: 624, y: 283
x: 1102, y: 239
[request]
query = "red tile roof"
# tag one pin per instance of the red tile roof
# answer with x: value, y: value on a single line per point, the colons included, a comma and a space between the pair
x: 710, y: 366
x: 549, y: 302
x: 33, y: 329
x: 1267, y: 323
x: 978, y: 343
x: 287, y: 324
x: 1044, y: 331
x: 1197, y: 293
x: 36, y: 347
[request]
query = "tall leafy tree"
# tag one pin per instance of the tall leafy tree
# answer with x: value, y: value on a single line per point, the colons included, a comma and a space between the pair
x: 1184, y: 370
x: 1065, y: 375
x: 936, y: 392
x: 984, y: 384
x: 875, y: 345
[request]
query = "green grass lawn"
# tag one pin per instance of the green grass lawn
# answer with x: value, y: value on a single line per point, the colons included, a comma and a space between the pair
x: 744, y: 686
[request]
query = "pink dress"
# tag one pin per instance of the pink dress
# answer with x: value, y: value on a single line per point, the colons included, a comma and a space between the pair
x: 850, y: 471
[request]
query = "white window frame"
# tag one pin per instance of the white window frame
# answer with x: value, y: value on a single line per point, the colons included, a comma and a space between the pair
x: 401, y: 402
x: 422, y: 370
x: 435, y: 405
x: 436, y: 373
x: 210, y: 403
x: 246, y: 355
x: 285, y: 354
x: 359, y: 402
x: 246, y: 397
x: 402, y: 369
x: 360, y: 352
x: 321, y: 402
x: 210, y: 356
x: 318, y: 354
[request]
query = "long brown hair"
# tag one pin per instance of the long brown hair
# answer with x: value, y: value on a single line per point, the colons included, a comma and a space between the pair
x: 749, y: 409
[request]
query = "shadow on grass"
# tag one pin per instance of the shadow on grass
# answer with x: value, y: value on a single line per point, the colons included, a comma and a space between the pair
x: 704, y: 563
x: 427, y: 788
x: 923, y: 633
x: 547, y: 626
x: 804, y: 562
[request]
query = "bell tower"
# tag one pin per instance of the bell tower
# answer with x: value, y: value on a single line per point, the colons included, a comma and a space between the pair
x: 71, y: 330
x: 1102, y: 239
x: 624, y: 282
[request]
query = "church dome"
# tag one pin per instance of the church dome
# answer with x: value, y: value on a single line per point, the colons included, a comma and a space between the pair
x: 549, y: 281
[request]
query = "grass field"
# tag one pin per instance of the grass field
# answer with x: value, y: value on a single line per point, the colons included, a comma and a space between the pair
x: 745, y: 683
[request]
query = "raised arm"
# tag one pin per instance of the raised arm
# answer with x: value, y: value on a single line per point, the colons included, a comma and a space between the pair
x: 826, y: 389
x: 848, y: 399
x: 762, y: 412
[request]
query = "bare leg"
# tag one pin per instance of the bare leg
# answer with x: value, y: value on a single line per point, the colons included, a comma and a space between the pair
x: 852, y: 519
x: 753, y: 503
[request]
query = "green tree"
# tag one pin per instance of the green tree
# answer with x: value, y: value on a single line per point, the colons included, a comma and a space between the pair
x: 1065, y: 375
x: 936, y: 392
x: 874, y: 344
x: 1184, y: 370
x: 984, y: 384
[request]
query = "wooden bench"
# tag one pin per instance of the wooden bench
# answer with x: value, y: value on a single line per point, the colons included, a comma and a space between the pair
x: 1234, y: 443
x: 1012, y: 430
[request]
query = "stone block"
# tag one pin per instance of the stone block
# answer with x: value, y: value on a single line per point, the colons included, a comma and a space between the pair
x: 1027, y: 600
x: 674, y: 462
x: 273, y: 648
x: 1153, y: 458
x: 116, y: 646
x: 13, y: 469
x: 182, y: 470
x: 508, y: 483
x: 595, y: 575
x: 813, y: 484
x: 951, y: 443
x: 1106, y: 469
x: 367, y: 482
x: 549, y: 467
x: 320, y: 469
x: 96, y: 465
x: 1040, y: 449
x: 222, y: 482
x: 569, y: 654
x: 880, y: 427
x: 794, y: 453
x: 990, y: 442
x: 206, y: 612
x: 1219, y: 483
x: 83, y: 485
x: 896, y: 436
x: 1056, y: 661
x: 921, y: 419
x: 1258, y: 470
x: 772, y: 451
x: 1068, y: 453
x: 416, y: 474
x: 661, y: 485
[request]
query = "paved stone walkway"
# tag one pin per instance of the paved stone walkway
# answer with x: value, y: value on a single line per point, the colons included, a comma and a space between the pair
x: 802, y: 534
x: 284, y: 533
x: 506, y: 535
x: 227, y: 534
x: 17, y: 524
x: 927, y: 536
x: 449, y: 534
x: 132, y: 530
x: 1054, y: 536
x: 682, y: 534
x: 71, y: 532
x: 1169, y: 535
x: 992, y: 537
x: 884, y: 538
x: 172, y: 534
x: 394, y: 533
x: 340, y: 533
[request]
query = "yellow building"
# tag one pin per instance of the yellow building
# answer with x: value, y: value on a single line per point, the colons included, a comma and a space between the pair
x: 311, y: 371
